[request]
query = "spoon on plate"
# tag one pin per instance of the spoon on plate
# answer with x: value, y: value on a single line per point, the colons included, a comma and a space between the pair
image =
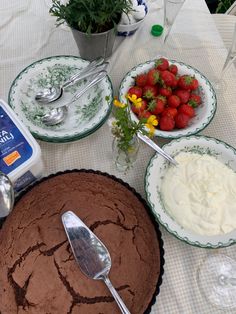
x: 90, y: 253
x: 48, y: 95
x: 57, y: 115
x: 6, y: 195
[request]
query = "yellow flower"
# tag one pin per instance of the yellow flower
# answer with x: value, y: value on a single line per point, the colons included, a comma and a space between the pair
x: 135, y: 100
x: 119, y: 104
x: 151, y: 123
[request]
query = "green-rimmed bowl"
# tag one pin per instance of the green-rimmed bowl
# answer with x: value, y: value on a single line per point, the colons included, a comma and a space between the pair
x: 204, y: 113
x: 85, y: 115
x: 155, y: 173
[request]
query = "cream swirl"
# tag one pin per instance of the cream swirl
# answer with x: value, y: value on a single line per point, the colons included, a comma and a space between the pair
x: 200, y: 194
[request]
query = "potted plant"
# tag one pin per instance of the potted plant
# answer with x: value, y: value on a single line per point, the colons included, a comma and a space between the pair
x: 93, y: 23
x: 224, y: 5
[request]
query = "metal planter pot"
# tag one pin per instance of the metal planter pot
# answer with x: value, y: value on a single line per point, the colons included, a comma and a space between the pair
x: 94, y: 45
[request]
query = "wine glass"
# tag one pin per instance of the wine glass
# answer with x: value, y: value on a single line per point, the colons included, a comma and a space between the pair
x: 171, y: 10
x: 216, y: 278
x: 231, y: 56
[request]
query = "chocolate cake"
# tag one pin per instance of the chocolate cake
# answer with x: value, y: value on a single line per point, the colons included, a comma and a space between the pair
x: 39, y: 274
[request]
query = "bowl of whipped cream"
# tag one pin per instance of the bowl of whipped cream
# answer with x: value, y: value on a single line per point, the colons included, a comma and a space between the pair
x: 130, y: 22
x: 195, y: 200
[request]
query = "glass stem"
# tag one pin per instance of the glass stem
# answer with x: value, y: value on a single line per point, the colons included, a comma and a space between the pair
x: 229, y: 60
x: 167, y: 29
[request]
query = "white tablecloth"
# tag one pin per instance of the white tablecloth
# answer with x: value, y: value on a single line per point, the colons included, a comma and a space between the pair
x: 225, y: 24
x: 28, y: 33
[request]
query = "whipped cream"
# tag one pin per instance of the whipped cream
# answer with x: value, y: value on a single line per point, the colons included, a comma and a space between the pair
x: 200, y: 194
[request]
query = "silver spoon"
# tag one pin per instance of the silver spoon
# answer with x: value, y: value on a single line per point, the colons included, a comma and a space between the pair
x: 90, y: 253
x: 6, y: 195
x: 48, y: 95
x: 57, y: 115
x: 159, y: 150
x: 91, y: 72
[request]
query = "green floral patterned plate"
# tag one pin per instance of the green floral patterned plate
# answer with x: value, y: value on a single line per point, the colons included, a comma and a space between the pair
x: 85, y: 115
x: 204, y: 113
x: 156, y: 171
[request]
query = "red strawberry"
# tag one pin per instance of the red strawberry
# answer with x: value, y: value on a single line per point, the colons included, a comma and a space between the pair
x: 165, y: 91
x: 167, y: 77
x: 142, y: 108
x: 150, y: 91
x: 162, y: 64
x: 141, y: 80
x: 153, y: 77
x: 186, y: 109
x: 194, y: 100
x: 170, y: 112
x: 187, y: 82
x: 166, y: 123
x: 162, y: 98
x: 175, y: 82
x: 173, y: 101
x: 144, y: 114
x: 181, y: 120
x: 156, y: 106
x: 183, y: 95
x: 195, y: 84
x: 135, y: 90
x: 173, y: 69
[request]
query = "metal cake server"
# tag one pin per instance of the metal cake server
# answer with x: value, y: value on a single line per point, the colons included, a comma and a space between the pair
x: 90, y: 253
x: 6, y: 195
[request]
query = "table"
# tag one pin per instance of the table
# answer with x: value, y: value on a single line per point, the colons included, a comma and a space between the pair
x: 225, y: 25
x: 28, y: 33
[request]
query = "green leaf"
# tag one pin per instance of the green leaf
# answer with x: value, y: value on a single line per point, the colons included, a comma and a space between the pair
x: 90, y: 16
x: 224, y: 5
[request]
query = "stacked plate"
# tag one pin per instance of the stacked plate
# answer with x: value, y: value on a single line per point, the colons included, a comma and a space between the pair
x: 85, y: 115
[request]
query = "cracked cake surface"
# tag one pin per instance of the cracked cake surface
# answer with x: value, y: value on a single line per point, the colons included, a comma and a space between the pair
x: 39, y: 274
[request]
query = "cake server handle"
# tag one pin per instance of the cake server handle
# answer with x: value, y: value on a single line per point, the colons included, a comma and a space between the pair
x: 116, y: 296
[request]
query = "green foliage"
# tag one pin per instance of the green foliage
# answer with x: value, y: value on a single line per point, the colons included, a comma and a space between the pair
x: 124, y: 128
x: 224, y: 5
x: 90, y: 16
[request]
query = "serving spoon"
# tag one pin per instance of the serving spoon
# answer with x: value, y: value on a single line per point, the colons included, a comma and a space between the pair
x: 48, y: 95
x: 158, y: 149
x: 57, y: 115
x: 90, y: 253
x: 6, y: 195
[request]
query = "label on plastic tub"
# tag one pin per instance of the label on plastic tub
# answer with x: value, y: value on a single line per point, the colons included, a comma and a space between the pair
x: 23, y: 181
x: 14, y: 148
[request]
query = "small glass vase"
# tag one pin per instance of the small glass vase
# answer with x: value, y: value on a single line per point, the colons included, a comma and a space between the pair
x: 124, y: 159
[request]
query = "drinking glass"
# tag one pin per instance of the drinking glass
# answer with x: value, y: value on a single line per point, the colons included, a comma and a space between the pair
x: 216, y: 276
x: 231, y: 56
x: 217, y: 280
x: 171, y: 10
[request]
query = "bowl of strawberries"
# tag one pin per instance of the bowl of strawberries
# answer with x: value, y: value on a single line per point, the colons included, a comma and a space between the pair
x: 178, y: 95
